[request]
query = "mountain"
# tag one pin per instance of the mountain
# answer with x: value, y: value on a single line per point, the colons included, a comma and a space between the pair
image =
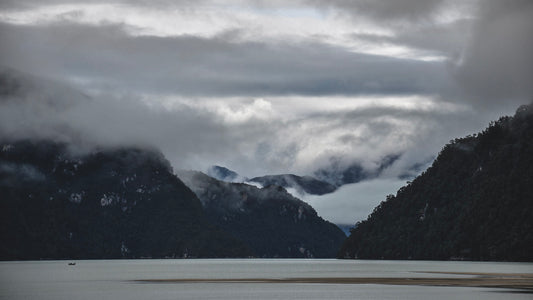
x: 269, y: 220
x: 302, y: 184
x: 338, y: 174
x: 113, y: 203
x: 475, y: 202
x: 224, y: 174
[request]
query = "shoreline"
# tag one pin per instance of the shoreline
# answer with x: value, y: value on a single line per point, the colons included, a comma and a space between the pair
x: 521, y: 281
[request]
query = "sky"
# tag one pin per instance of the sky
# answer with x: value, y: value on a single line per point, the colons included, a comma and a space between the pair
x: 268, y: 87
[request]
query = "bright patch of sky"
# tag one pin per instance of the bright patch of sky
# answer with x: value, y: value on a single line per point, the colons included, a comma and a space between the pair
x: 353, y: 202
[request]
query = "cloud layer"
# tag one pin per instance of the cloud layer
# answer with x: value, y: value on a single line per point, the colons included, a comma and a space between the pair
x: 106, y: 57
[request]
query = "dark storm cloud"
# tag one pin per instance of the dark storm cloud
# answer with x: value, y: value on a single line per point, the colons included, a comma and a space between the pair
x: 497, y: 66
x: 491, y: 45
x: 193, y: 66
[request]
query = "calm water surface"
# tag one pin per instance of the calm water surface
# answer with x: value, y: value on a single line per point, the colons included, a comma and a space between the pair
x: 115, y: 279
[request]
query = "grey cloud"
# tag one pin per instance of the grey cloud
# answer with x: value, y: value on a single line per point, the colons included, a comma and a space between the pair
x: 107, y: 56
x: 54, y: 112
x: 386, y: 11
x: 367, y: 135
x: 446, y: 39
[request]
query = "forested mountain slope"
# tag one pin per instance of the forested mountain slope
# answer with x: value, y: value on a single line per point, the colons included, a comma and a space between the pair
x: 269, y: 220
x: 113, y: 203
x: 475, y: 202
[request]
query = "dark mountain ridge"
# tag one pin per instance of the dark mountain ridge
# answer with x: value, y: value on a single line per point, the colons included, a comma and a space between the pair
x: 269, y: 220
x: 114, y: 203
x: 128, y: 203
x: 475, y: 202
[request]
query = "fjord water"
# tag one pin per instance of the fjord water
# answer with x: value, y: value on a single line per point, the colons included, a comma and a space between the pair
x: 122, y: 279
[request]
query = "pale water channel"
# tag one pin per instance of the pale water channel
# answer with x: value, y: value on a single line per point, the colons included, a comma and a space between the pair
x: 130, y: 279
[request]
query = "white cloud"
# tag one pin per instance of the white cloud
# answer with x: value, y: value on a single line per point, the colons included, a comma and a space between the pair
x: 243, y: 21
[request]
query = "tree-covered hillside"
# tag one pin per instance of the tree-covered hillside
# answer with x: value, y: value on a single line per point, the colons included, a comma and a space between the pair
x: 114, y: 203
x: 269, y: 220
x: 475, y: 202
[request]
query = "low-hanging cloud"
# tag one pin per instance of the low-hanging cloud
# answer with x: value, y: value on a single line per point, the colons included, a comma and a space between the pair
x: 251, y: 136
x: 54, y: 111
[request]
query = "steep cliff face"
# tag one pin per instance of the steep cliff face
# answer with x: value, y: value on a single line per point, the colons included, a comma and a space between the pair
x: 269, y: 220
x: 475, y: 202
x: 105, y: 204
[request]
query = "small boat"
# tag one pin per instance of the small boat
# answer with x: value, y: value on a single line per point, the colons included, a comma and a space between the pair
x: 71, y: 263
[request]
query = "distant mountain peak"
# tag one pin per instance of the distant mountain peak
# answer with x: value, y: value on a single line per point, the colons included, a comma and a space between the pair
x: 57, y: 205
x: 339, y: 174
x: 271, y: 221
x: 224, y: 174
x: 302, y: 184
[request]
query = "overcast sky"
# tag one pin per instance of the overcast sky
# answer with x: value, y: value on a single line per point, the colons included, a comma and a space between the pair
x: 266, y: 87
